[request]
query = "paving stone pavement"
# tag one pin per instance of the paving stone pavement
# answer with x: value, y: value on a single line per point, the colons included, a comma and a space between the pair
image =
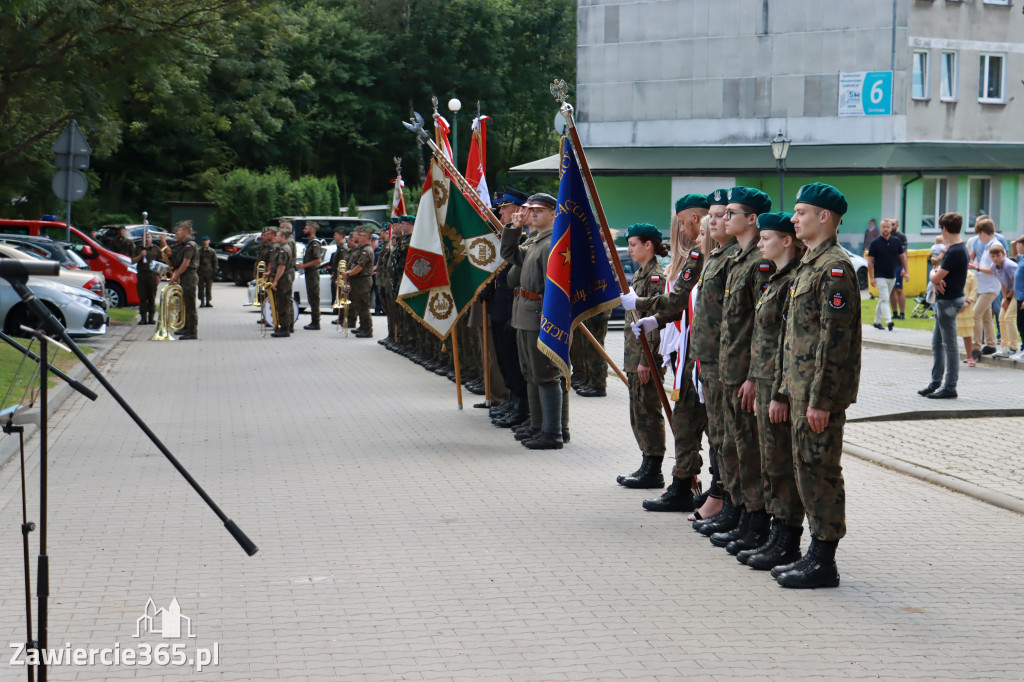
x: 401, y: 538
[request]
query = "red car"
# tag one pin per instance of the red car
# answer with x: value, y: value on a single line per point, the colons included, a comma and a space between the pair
x: 121, y: 287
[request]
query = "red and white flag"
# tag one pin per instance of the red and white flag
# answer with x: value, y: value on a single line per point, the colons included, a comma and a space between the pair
x: 476, y: 164
x: 398, y: 198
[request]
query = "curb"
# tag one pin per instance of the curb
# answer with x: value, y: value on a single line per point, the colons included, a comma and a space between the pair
x: 925, y: 415
x: 61, y: 392
x: 923, y: 473
x: 986, y: 360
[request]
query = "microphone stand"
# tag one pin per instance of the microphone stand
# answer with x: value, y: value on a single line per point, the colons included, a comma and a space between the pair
x: 49, y: 329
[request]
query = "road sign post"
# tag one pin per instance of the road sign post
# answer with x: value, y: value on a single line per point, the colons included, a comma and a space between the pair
x: 69, y: 183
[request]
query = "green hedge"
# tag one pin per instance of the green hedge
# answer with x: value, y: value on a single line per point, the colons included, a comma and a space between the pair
x: 247, y: 200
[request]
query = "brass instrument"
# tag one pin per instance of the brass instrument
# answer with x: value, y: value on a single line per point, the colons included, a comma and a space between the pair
x: 172, y: 313
x: 261, y: 271
x: 266, y: 285
x: 341, y: 301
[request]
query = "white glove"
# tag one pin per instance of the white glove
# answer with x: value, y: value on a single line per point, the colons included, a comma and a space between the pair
x: 644, y: 325
x: 629, y: 300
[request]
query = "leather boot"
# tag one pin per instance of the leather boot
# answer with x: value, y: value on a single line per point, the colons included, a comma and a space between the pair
x: 756, y: 535
x: 723, y: 522
x: 786, y: 550
x: 648, y: 475
x: 636, y: 474
x: 773, y: 537
x: 678, y: 497
x: 550, y: 437
x: 727, y: 508
x: 527, y: 433
x: 545, y: 441
x: 819, y: 571
x: 724, y: 537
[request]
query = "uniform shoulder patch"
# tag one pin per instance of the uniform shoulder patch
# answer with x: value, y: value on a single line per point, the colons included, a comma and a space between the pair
x: 837, y: 300
x: 655, y: 278
x: 764, y: 288
x: 694, y: 254
x: 838, y: 272
x: 764, y: 267
x: 687, y: 274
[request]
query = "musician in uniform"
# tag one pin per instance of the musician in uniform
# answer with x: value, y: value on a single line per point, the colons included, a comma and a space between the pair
x: 360, y: 279
x: 310, y: 267
x: 183, y: 258
x: 283, y: 272
x: 146, y: 254
x: 264, y: 254
x: 207, y: 266
x: 121, y: 244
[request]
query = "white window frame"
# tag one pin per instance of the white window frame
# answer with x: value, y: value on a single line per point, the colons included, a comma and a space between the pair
x: 997, y: 2
x: 924, y: 75
x: 983, y: 82
x: 938, y: 206
x: 953, y: 75
x: 971, y: 218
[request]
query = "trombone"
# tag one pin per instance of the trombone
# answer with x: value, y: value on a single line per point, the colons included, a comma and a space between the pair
x: 341, y: 296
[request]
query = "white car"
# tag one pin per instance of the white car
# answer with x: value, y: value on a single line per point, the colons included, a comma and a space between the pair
x: 82, y: 312
x: 860, y: 266
x: 85, y: 279
x: 324, y: 273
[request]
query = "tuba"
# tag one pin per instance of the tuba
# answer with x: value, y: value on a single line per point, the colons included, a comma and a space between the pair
x: 341, y: 296
x: 172, y: 312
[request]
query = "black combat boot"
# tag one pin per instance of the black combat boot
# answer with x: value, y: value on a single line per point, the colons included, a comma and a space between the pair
x: 526, y: 433
x: 786, y: 550
x: 724, y: 537
x: 756, y: 535
x: 622, y: 477
x: 550, y: 437
x: 722, y: 521
x: 647, y: 476
x: 820, y: 571
x: 773, y: 537
x: 726, y: 507
x: 678, y: 497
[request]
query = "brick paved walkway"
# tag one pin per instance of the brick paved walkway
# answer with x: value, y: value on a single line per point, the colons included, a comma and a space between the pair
x: 403, y: 539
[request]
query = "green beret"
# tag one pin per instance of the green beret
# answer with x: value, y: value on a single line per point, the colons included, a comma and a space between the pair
x: 777, y: 222
x: 408, y: 218
x: 644, y: 231
x: 823, y: 196
x: 205, y: 238
x: 720, y: 197
x: 396, y: 219
x: 692, y: 201
x: 758, y: 201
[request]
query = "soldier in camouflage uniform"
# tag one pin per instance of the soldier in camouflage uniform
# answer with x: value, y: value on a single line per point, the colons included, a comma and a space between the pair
x: 147, y: 254
x: 689, y: 418
x: 182, y: 257
x: 747, y: 273
x: 406, y: 341
x: 264, y: 254
x: 121, y: 244
x: 360, y: 279
x: 207, y: 266
x: 778, y: 244
x: 282, y: 272
x: 819, y: 375
x: 384, y: 283
x: 310, y: 267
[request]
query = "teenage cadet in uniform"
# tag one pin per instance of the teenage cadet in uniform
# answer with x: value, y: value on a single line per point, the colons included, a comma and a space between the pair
x: 207, y: 266
x: 283, y: 272
x: 121, y: 244
x: 819, y: 376
x: 747, y: 273
x: 778, y: 244
x: 645, y: 411
x: 182, y: 257
x: 310, y: 267
x: 531, y: 259
x: 360, y: 279
x: 689, y: 418
x: 146, y: 254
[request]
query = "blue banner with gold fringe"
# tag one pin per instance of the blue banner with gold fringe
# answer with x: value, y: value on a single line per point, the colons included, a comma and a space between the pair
x: 580, y: 281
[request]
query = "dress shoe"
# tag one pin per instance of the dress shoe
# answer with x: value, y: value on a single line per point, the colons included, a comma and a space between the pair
x: 187, y: 337
x: 988, y: 350
x: 890, y: 326
x: 817, y: 568
x: 565, y: 435
x: 785, y: 550
x: 476, y: 390
x: 544, y: 441
x: 576, y: 384
x: 143, y: 322
x: 677, y: 498
x: 943, y: 393
x: 527, y: 434
x: 312, y: 326
x: 877, y: 325
x: 930, y: 388
x: 592, y: 392
x: 209, y: 305
x: 723, y: 537
x: 441, y: 370
x: 363, y: 335
x: 757, y: 533
x: 280, y: 333
x: 647, y: 476
x: 482, y: 406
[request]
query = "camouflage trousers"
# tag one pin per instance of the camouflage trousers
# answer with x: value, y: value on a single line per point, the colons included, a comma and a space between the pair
x: 740, y: 427
x: 778, y: 475
x: 689, y: 421
x: 724, y: 447
x: 645, y: 415
x: 819, y: 475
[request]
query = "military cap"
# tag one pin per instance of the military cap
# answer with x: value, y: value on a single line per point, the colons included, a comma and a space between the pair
x: 285, y: 230
x: 365, y: 229
x: 777, y: 222
x: 823, y: 196
x: 183, y: 224
x: 205, y: 238
x: 312, y: 223
x: 408, y: 218
x: 692, y: 201
x: 396, y: 219
x: 339, y: 229
x: 644, y: 231
x: 269, y: 228
x: 374, y: 236
x: 541, y: 200
x: 720, y: 197
x: 758, y: 201
x: 512, y: 196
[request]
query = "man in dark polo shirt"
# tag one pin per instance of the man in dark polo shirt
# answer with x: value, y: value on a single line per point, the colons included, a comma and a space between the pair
x: 949, y: 278
x: 885, y: 254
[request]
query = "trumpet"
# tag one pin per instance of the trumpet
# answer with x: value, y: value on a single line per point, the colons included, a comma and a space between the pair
x: 341, y: 296
x: 172, y: 313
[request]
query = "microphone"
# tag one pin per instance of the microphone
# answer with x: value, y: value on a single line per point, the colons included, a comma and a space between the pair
x: 13, y: 267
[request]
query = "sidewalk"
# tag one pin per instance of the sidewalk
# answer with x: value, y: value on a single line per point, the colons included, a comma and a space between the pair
x: 401, y: 538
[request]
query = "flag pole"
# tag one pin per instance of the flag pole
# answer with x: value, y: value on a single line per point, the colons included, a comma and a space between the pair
x: 588, y: 178
x: 602, y: 352
x: 455, y: 360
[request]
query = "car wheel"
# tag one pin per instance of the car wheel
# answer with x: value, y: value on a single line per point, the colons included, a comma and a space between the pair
x: 862, y: 278
x: 114, y: 294
x: 19, y: 315
x: 239, y: 279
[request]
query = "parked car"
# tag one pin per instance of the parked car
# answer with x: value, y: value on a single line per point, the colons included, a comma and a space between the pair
x: 106, y: 234
x: 121, y: 285
x: 629, y: 267
x: 226, y: 247
x: 79, y: 279
x: 82, y: 312
x: 325, y: 231
x: 860, y: 266
x: 239, y: 266
x: 62, y: 252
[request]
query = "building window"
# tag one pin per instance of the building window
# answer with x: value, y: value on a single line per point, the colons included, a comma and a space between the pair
x: 997, y: 2
x: 990, y: 78
x: 933, y: 204
x: 949, y: 76
x: 979, y: 198
x: 920, y: 78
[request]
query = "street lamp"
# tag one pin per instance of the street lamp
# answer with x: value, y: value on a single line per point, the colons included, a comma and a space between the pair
x: 455, y: 106
x: 780, y: 149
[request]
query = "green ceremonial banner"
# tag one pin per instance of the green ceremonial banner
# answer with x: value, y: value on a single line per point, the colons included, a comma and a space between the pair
x: 471, y: 248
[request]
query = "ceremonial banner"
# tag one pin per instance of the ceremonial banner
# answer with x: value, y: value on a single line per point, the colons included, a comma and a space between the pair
x: 398, y: 199
x: 476, y: 164
x: 580, y: 282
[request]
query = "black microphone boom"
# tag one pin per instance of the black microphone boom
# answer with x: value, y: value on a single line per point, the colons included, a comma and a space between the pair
x: 14, y: 267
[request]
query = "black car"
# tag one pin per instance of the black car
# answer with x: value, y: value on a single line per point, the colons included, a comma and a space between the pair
x: 239, y: 266
x: 228, y: 246
x: 49, y: 249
